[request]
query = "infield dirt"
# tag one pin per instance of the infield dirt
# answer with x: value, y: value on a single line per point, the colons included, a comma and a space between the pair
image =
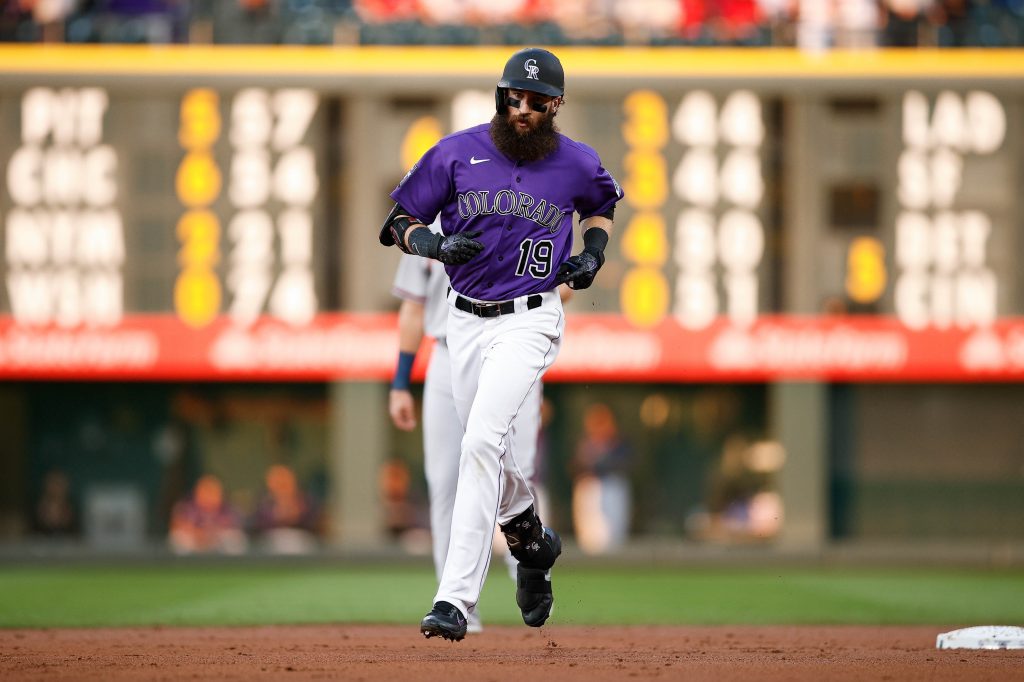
x: 558, y: 652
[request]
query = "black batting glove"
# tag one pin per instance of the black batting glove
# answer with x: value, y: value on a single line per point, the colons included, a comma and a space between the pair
x: 459, y: 248
x: 579, y: 271
x: 454, y: 250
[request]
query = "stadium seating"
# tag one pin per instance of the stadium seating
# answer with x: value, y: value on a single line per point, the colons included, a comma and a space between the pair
x: 745, y: 23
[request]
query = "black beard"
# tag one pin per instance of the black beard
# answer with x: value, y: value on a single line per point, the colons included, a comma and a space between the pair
x: 532, y: 145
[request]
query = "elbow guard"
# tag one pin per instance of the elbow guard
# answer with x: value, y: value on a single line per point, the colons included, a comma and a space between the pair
x: 398, y: 222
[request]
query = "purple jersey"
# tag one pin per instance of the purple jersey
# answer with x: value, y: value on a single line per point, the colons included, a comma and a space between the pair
x: 523, y: 209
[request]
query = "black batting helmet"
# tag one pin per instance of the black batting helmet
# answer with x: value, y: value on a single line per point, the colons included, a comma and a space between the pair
x: 532, y: 69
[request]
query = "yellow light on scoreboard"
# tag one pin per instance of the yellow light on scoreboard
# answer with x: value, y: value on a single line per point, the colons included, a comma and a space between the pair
x: 198, y: 179
x: 197, y: 290
x: 644, y: 293
x: 197, y: 295
x: 644, y: 296
x: 644, y: 241
x: 646, y: 181
x: 645, y: 126
x: 199, y: 234
x: 421, y: 136
x: 865, y: 270
x: 200, y: 119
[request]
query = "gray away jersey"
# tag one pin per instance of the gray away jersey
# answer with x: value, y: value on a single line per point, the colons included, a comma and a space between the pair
x: 423, y: 280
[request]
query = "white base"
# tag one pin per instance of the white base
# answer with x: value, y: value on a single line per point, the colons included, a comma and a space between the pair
x: 982, y: 637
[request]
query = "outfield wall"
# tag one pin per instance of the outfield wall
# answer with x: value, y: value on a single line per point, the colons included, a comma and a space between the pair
x: 816, y: 254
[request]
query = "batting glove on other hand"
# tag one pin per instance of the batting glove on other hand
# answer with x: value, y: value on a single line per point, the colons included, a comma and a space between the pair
x: 579, y: 271
x: 458, y: 248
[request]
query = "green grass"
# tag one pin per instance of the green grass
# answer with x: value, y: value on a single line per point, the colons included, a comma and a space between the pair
x: 236, y: 594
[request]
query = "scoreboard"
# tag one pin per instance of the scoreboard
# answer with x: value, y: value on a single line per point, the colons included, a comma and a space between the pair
x: 97, y: 178
x: 211, y: 212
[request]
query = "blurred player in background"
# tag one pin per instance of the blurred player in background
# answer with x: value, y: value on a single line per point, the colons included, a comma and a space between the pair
x: 506, y: 193
x: 287, y: 520
x: 206, y: 521
x: 601, y: 496
x: 422, y: 285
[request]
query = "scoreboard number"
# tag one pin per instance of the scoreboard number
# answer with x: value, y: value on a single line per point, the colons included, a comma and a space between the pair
x: 271, y: 185
x: 270, y: 167
x: 719, y: 239
x: 197, y: 290
x: 643, y: 294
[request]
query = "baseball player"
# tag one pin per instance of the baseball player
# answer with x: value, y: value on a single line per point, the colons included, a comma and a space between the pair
x: 422, y: 285
x: 506, y: 193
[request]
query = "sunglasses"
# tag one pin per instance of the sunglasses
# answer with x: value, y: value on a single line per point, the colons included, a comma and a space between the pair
x: 515, y: 103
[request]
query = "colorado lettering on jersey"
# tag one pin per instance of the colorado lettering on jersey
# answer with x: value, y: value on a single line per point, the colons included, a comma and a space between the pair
x: 507, y: 202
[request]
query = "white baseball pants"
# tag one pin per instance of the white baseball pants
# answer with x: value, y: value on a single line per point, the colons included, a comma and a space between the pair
x: 496, y: 362
x: 442, y: 447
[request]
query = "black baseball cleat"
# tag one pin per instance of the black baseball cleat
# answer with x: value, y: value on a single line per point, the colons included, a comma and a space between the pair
x: 533, y: 586
x: 533, y: 595
x: 444, y: 620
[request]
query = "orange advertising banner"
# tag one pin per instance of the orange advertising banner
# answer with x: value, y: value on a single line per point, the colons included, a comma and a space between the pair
x: 596, y: 348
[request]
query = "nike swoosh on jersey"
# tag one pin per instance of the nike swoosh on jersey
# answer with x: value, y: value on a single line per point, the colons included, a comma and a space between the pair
x: 474, y: 161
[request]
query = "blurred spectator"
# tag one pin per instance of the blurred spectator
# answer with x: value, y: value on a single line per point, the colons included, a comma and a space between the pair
x: 736, y: 22
x: 952, y: 19
x: 442, y: 11
x: 779, y: 20
x: 692, y: 19
x: 856, y: 23
x: 489, y: 13
x: 643, y: 21
x: 395, y: 481
x: 814, y: 25
x: 35, y: 20
x: 50, y: 11
x: 903, y: 22
x: 143, y: 21
x: 205, y: 522
x: 244, y: 22
x: 287, y: 519
x: 381, y: 11
x: 585, y: 21
x: 12, y: 18
x: 811, y: 24
x: 602, y: 501
x: 742, y: 501
x: 56, y: 514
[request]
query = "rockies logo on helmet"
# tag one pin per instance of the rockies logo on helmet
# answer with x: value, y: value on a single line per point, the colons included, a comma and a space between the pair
x: 531, y: 60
